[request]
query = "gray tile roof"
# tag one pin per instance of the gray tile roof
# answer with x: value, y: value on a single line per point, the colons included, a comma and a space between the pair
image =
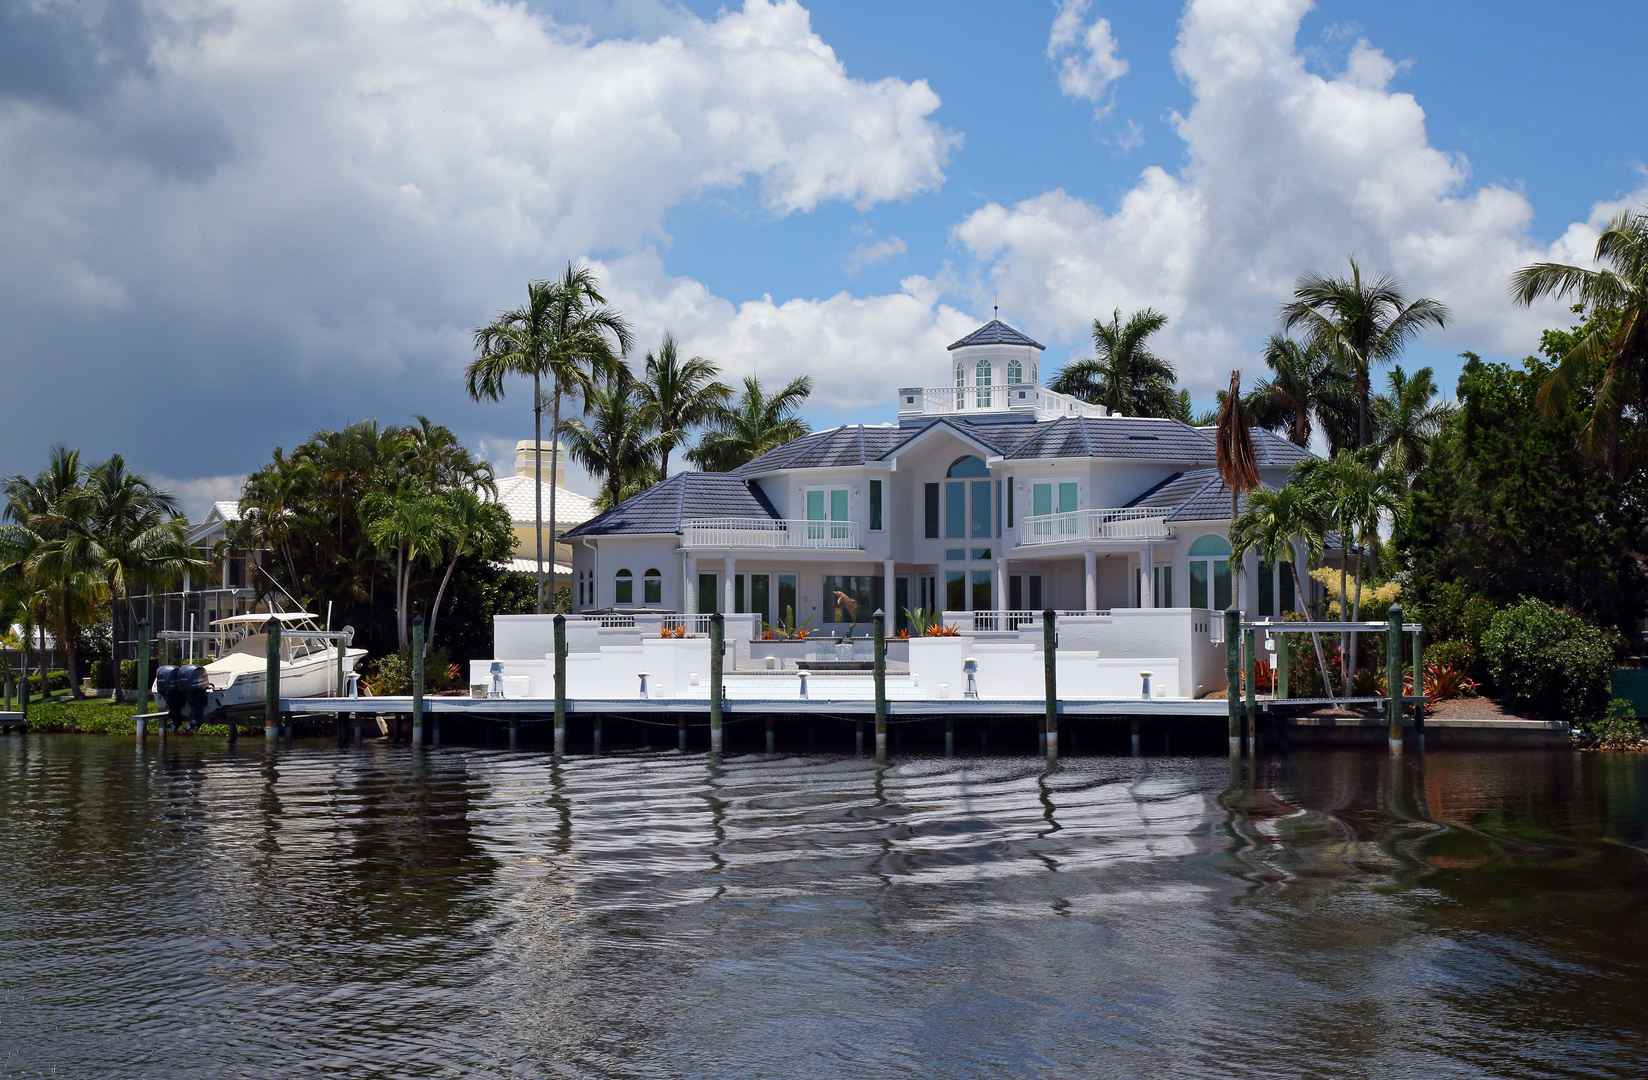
x: 1101, y: 437
x: 686, y: 496
x: 996, y: 332
x: 1192, y: 496
x: 852, y: 444
x: 1270, y: 448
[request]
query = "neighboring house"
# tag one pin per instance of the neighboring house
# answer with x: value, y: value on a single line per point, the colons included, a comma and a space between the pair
x: 990, y: 494
x: 516, y: 494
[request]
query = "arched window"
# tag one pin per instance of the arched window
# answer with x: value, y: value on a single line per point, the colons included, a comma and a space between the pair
x: 652, y: 587
x: 971, y: 465
x: 961, y: 381
x: 623, y: 587
x: 1210, y: 566
x: 1015, y: 371
x: 982, y: 380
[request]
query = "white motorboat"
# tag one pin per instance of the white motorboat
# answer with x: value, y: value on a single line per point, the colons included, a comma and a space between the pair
x: 309, y: 662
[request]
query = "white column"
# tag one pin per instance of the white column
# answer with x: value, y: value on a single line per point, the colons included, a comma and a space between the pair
x: 1248, y: 599
x: 727, y: 603
x: 1091, y: 566
x: 1001, y: 585
x: 689, y: 602
x: 1147, y: 567
x: 889, y: 592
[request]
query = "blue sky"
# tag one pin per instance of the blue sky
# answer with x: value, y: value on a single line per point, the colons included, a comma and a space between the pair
x: 227, y: 225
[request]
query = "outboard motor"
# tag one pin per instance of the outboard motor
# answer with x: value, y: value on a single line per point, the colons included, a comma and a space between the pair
x: 168, y: 688
x: 192, y: 683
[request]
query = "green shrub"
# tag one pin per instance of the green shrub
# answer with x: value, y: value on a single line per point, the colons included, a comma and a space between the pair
x: 1552, y: 662
x: 1459, y: 655
x: 392, y: 674
x: 1619, y: 729
x: 56, y: 680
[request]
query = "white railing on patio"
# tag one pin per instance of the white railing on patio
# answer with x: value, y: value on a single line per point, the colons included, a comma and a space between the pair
x: 611, y: 622
x: 769, y: 533
x: 985, y: 622
x: 695, y: 624
x: 1115, y: 524
x: 1015, y: 397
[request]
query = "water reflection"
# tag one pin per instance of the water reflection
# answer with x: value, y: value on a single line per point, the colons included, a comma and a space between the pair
x: 470, y: 912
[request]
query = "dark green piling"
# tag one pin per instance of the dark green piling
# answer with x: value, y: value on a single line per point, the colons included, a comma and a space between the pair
x: 880, y: 623
x: 1233, y: 679
x: 143, y: 642
x: 560, y: 684
x: 1419, y: 689
x: 1050, y: 678
x: 271, y: 680
x: 1393, y: 674
x: 1250, y: 667
x: 417, y: 681
x: 718, y: 640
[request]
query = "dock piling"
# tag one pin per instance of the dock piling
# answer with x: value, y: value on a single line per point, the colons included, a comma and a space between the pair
x: 1419, y: 689
x: 560, y: 683
x: 1393, y: 674
x: 879, y: 621
x: 1050, y: 674
x: 417, y: 681
x: 143, y: 640
x: 1233, y: 679
x: 271, y: 682
x: 1250, y: 669
x: 718, y: 646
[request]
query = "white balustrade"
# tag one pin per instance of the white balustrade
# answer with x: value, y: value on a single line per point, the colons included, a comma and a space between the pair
x: 769, y: 533
x: 1015, y: 397
x: 1116, y: 524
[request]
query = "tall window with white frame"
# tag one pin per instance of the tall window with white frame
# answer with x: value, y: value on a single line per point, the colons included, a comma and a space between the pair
x: 1015, y: 372
x: 982, y: 380
x: 623, y: 588
x: 961, y: 385
x: 1210, y: 573
x: 828, y: 515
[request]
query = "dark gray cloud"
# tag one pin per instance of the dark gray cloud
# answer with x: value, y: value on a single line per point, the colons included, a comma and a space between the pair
x: 70, y: 54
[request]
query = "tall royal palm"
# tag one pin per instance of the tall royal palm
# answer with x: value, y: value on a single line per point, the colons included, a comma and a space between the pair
x: 679, y: 394
x: 1407, y: 420
x: 1308, y: 387
x: 1368, y: 318
x: 754, y: 424
x: 135, y: 534
x: 1620, y: 342
x: 565, y: 333
x: 1124, y: 375
x: 615, y: 443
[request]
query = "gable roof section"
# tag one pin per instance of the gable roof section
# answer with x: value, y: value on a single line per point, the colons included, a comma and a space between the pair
x: 1098, y: 437
x: 686, y: 496
x: 1198, y: 495
x: 851, y: 444
x: 967, y: 433
x: 996, y: 332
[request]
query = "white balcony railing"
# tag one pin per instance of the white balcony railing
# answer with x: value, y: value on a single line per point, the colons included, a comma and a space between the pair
x: 1044, y: 404
x: 769, y: 533
x: 1117, y: 524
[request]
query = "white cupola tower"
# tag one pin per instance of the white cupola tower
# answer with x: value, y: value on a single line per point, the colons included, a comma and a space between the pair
x: 990, y: 360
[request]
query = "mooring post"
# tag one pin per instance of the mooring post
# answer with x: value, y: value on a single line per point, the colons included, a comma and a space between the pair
x: 1050, y: 676
x: 718, y: 640
x: 417, y: 681
x: 1250, y: 667
x: 770, y: 741
x: 1393, y: 676
x: 560, y: 684
x: 271, y: 680
x: 1282, y: 653
x: 879, y: 621
x: 1419, y: 689
x: 1233, y: 679
x: 143, y: 665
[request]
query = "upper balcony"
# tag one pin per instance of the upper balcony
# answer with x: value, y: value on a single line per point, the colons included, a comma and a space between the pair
x: 1018, y: 400
x: 1141, y: 524
x: 790, y: 533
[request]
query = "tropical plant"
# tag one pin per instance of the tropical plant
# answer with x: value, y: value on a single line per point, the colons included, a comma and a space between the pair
x: 1444, y: 682
x: 1309, y: 387
x: 1123, y: 374
x: 1550, y: 661
x: 565, y: 333
x: 1369, y: 321
x: 469, y: 526
x: 1233, y: 446
x: 921, y: 619
x: 1618, y: 344
x: 409, y: 523
x: 1407, y: 420
x: 752, y: 425
x: 786, y: 628
x: 678, y: 394
x: 1277, y: 525
x: 1619, y: 729
x: 616, y: 444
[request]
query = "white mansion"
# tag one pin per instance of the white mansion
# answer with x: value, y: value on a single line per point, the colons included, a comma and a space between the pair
x: 989, y: 498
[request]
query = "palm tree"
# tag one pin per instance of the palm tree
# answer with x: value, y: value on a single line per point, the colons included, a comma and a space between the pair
x: 564, y: 333
x: 1124, y: 375
x: 135, y: 534
x: 1308, y: 386
x: 1369, y: 320
x: 679, y: 394
x: 434, y: 453
x: 1622, y: 341
x: 43, y: 546
x: 753, y: 425
x: 1407, y: 420
x: 1233, y: 446
x: 408, y: 522
x: 467, y: 523
x: 614, y: 444
x: 1270, y: 525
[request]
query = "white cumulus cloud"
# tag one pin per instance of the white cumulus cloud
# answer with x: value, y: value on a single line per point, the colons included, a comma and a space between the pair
x: 1086, y: 53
